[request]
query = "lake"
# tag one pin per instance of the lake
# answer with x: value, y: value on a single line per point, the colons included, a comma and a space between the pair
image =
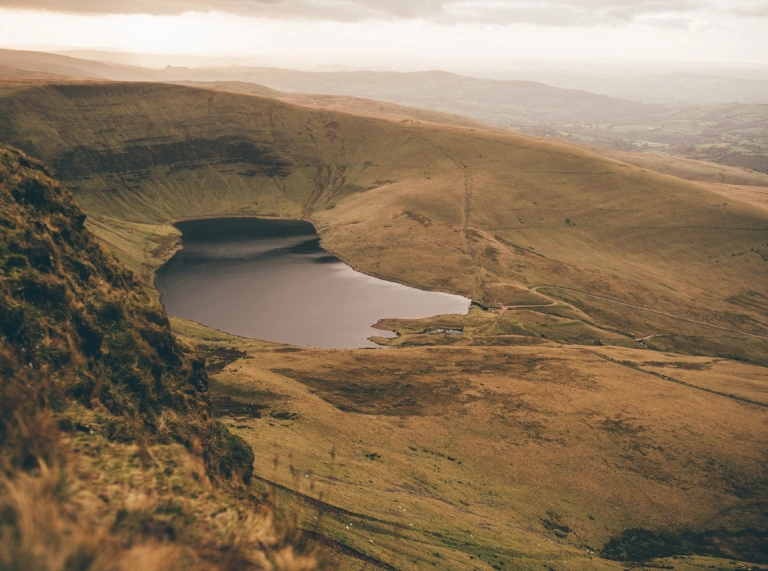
x: 271, y: 280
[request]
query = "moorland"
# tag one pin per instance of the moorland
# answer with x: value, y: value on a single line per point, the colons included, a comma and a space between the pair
x: 606, y: 400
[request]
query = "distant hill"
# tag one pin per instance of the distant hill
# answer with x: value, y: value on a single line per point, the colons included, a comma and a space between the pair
x: 354, y: 105
x: 674, y: 89
x: 76, y: 68
x: 484, y: 99
x: 729, y: 133
x: 493, y: 101
x: 14, y: 73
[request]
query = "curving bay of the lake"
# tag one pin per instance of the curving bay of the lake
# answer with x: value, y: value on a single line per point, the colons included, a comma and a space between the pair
x: 271, y: 280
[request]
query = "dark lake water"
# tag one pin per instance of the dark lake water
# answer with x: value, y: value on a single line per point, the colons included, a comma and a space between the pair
x: 271, y: 280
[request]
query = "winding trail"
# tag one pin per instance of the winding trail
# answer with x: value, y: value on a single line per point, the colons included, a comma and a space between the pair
x: 554, y: 301
x: 634, y: 367
x: 504, y: 308
x: 656, y: 311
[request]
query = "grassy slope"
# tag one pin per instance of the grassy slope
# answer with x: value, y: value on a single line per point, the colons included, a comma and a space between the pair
x: 690, y: 169
x: 732, y: 181
x: 108, y: 448
x: 526, y: 457
x: 730, y: 134
x: 460, y: 210
x: 506, y: 208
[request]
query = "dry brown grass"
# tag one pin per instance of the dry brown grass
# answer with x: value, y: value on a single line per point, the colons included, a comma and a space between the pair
x: 107, y: 512
x: 533, y: 456
x: 48, y: 524
x: 689, y: 169
x: 526, y: 455
x: 109, y: 456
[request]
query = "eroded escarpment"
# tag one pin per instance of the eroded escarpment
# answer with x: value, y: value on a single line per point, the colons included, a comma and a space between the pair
x: 82, y: 162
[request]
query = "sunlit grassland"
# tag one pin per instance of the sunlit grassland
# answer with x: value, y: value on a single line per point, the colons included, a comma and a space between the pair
x: 526, y: 456
x: 541, y: 430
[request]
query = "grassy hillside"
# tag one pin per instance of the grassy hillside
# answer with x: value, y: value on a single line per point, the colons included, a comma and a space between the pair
x: 109, y: 455
x: 550, y: 434
x: 436, y: 206
x: 690, y: 169
x: 729, y: 131
x: 510, y: 457
x: 708, y: 126
x: 687, y: 169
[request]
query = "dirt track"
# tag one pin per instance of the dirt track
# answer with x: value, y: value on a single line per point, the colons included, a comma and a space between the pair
x: 537, y: 288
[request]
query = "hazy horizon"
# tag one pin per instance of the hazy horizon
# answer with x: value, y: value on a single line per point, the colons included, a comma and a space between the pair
x: 153, y: 60
x: 374, y: 34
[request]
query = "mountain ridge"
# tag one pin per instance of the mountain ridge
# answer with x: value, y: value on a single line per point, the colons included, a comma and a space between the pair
x: 476, y: 191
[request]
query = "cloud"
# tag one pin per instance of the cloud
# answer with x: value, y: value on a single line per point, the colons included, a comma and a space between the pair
x: 579, y: 13
x: 542, y: 12
x: 755, y: 8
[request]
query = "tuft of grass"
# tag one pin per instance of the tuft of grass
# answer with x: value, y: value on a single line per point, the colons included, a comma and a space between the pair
x: 110, y: 457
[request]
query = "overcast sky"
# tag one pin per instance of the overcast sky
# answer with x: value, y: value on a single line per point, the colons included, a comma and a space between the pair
x: 382, y: 32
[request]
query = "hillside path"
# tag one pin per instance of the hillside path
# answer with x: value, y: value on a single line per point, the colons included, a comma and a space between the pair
x: 673, y: 380
x: 656, y: 311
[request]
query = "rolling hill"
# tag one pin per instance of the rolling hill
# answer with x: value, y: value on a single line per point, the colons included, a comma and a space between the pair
x: 506, y: 208
x: 596, y: 400
x: 705, y: 86
x: 484, y: 99
x: 34, y: 62
x: 346, y: 104
x: 489, y: 100
x: 729, y: 131
x: 701, y: 170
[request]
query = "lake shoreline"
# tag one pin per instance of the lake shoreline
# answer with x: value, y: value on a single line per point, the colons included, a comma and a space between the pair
x: 271, y: 279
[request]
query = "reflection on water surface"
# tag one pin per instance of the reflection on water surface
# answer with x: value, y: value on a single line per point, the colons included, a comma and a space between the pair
x: 270, y: 279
